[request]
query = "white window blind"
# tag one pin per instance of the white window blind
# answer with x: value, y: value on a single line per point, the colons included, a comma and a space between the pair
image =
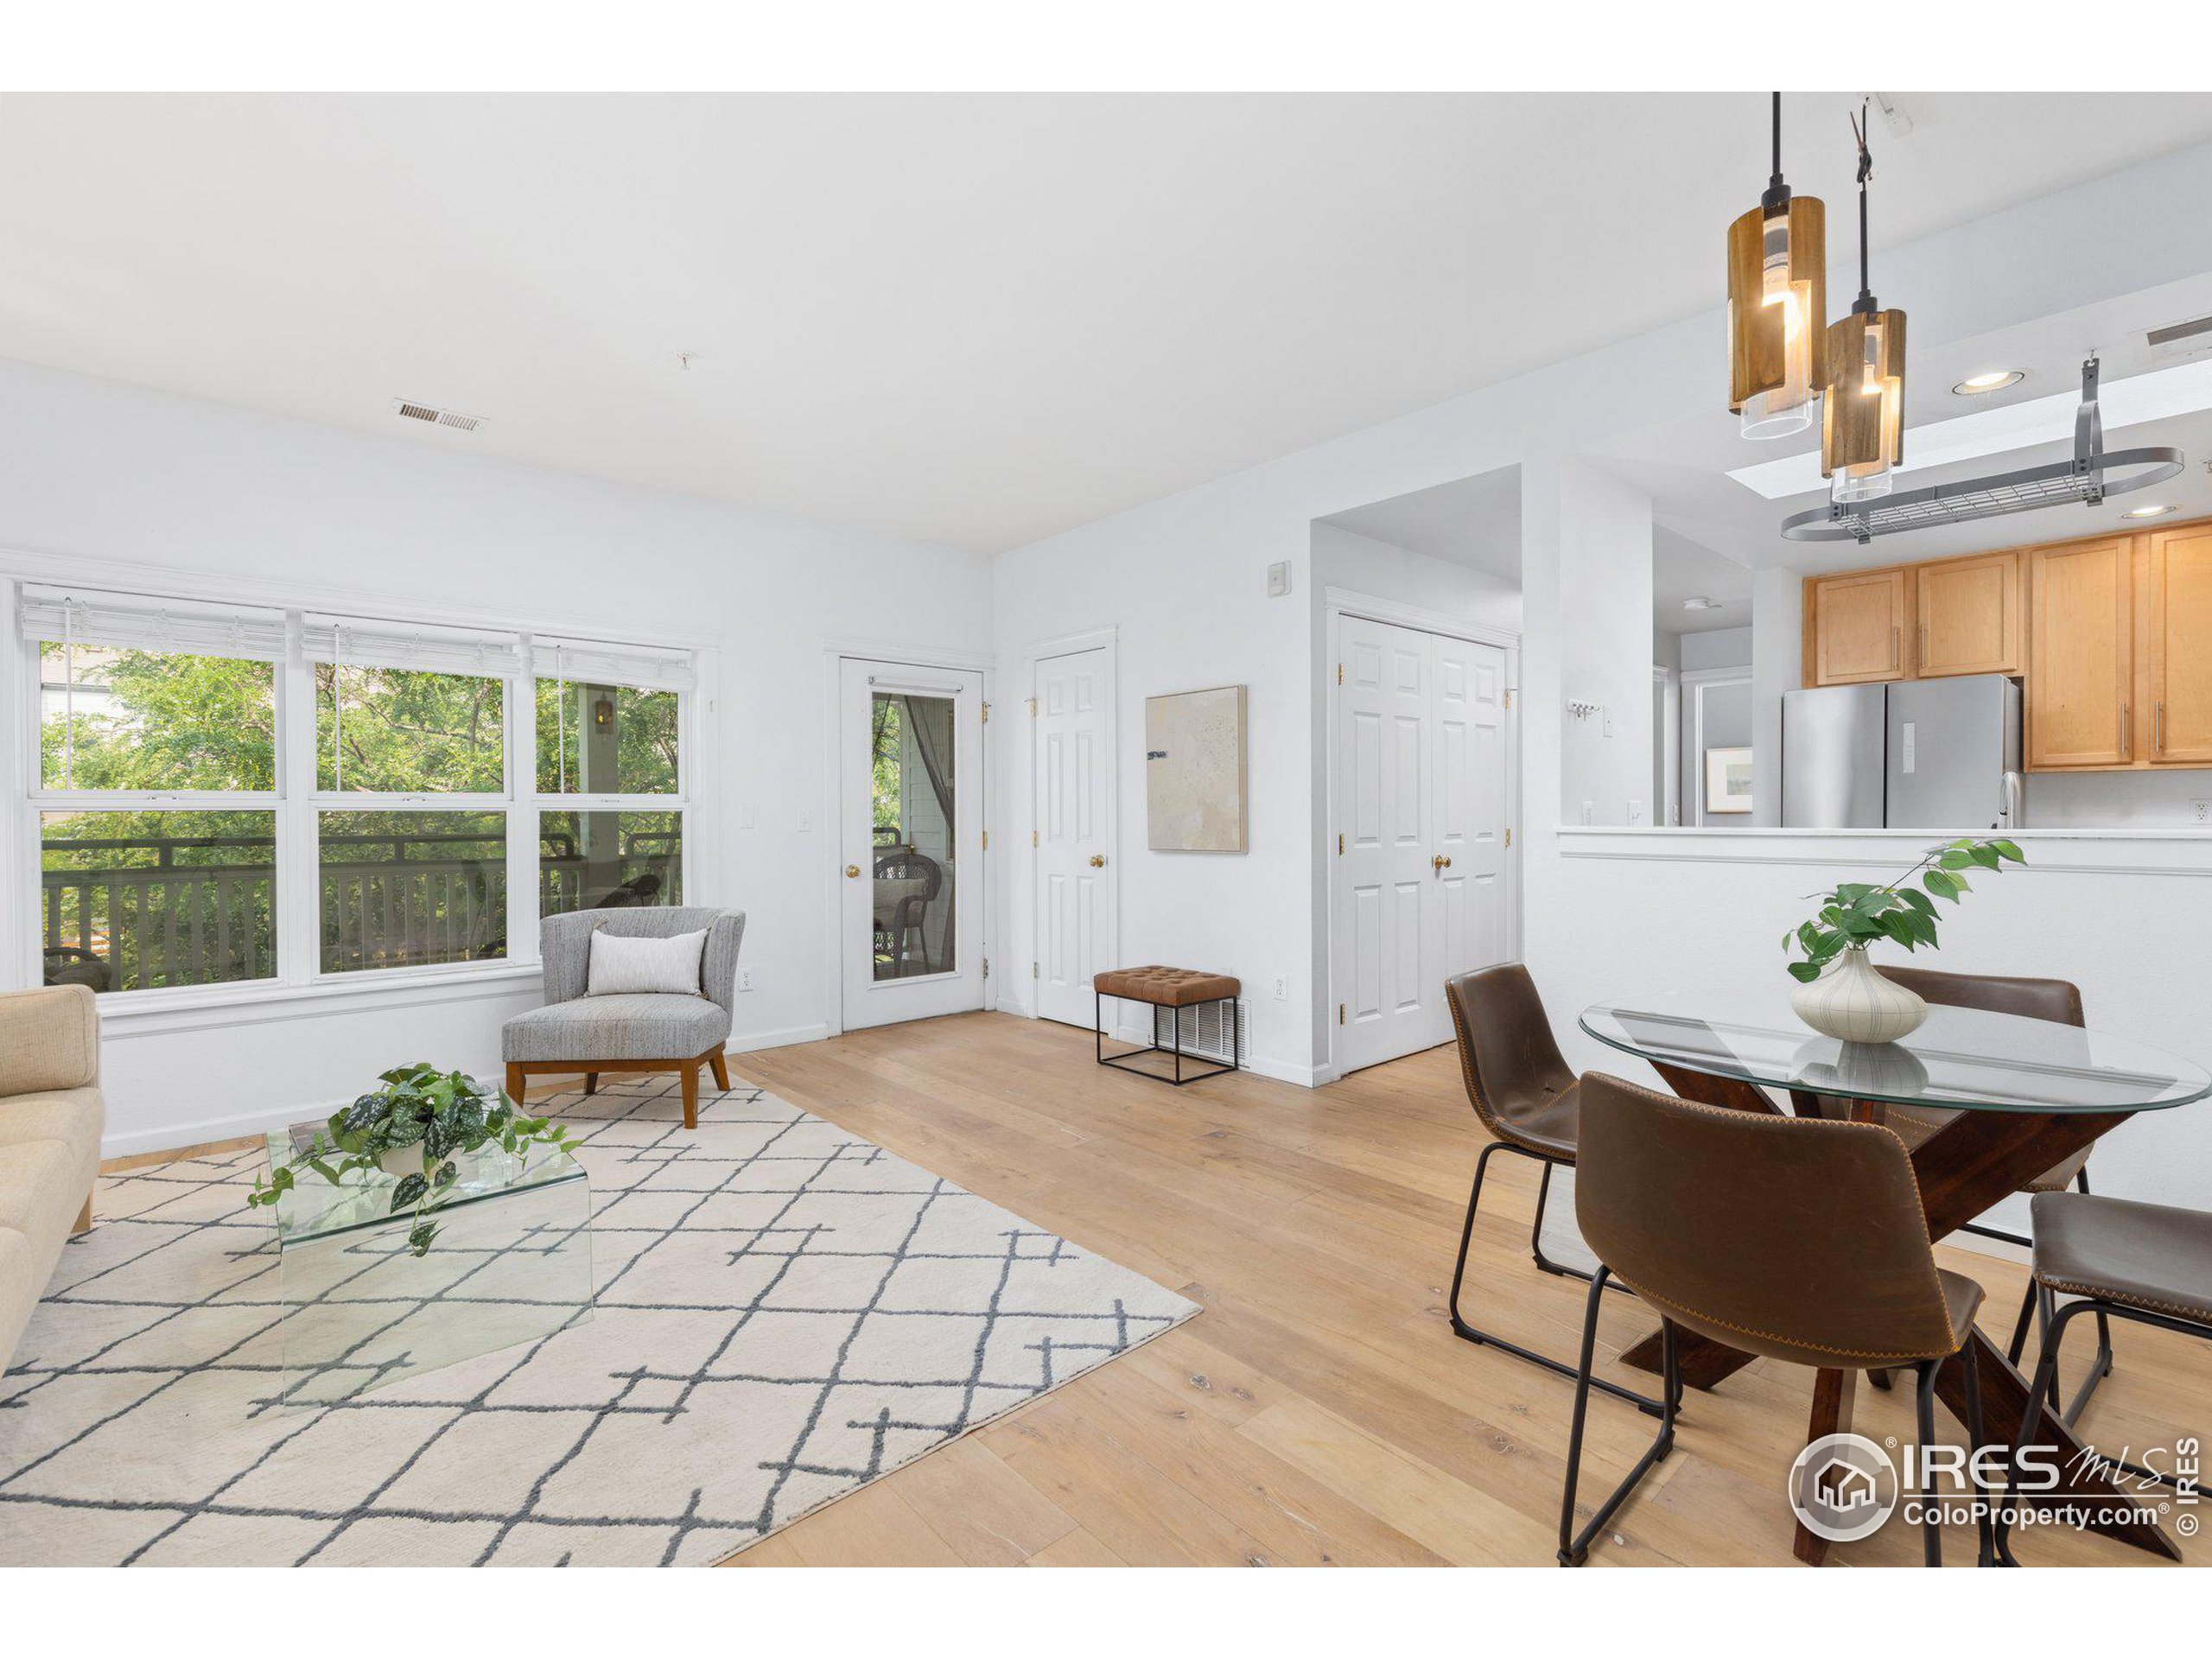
x: 395, y: 644
x: 48, y: 616
x: 594, y: 662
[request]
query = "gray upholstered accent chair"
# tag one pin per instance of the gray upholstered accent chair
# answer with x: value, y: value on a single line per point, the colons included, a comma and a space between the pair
x: 638, y: 1032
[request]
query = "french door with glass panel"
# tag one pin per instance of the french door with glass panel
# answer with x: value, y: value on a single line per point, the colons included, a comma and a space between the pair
x: 1072, y: 765
x: 911, y: 803
x: 1419, y: 882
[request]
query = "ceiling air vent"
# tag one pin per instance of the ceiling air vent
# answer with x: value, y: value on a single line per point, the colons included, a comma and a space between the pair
x: 439, y: 417
x: 2181, y: 339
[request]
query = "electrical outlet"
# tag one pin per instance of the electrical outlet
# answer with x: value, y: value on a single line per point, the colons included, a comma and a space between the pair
x: 2200, y: 812
x: 1636, y: 811
x: 1589, y: 811
x: 1282, y: 987
x: 805, y: 822
x: 745, y: 979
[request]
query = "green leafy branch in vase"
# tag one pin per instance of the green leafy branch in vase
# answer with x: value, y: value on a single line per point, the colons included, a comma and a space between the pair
x: 1854, y: 914
x: 447, y: 1115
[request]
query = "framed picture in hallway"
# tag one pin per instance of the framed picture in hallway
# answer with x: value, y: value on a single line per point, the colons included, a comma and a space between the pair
x: 1727, y: 780
x: 1194, y: 770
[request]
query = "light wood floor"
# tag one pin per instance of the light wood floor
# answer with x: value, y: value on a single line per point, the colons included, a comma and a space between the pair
x: 1320, y: 1410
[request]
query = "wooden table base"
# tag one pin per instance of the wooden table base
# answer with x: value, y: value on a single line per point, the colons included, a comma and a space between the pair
x: 1967, y: 1167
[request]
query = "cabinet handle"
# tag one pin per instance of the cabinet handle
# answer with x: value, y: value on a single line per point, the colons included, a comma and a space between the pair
x: 1924, y: 645
x: 2159, y: 728
x: 1894, y: 633
x: 2127, y: 748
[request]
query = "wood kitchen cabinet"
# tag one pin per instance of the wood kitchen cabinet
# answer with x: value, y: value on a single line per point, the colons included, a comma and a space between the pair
x: 1968, y: 616
x: 2176, y: 616
x: 2082, y: 655
x: 1855, y: 626
x: 2112, y: 633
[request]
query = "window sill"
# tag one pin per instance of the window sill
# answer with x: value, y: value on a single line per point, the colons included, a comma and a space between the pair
x: 143, y: 1013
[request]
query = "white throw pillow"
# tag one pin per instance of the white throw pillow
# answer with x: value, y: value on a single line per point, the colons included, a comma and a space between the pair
x: 623, y: 964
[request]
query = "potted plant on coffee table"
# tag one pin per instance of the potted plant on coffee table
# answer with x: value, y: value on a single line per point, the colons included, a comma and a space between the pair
x: 1841, y: 994
x: 416, y: 1127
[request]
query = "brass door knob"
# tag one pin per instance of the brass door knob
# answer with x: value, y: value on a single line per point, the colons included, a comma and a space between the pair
x: 852, y: 870
x: 1440, y: 862
x: 1099, y: 861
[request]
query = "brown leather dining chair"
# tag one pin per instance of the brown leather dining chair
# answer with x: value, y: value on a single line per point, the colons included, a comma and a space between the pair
x: 2059, y: 1002
x: 1527, y: 1095
x: 2118, y: 1258
x: 1797, y: 1238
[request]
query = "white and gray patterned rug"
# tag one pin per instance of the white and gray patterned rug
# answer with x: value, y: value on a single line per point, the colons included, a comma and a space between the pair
x: 784, y: 1313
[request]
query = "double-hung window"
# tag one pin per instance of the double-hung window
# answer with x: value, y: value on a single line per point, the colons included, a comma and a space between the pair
x: 153, y: 792
x: 609, y: 775
x: 300, y: 798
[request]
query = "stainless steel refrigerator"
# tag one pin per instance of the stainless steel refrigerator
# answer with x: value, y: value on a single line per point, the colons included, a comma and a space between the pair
x: 1913, y: 754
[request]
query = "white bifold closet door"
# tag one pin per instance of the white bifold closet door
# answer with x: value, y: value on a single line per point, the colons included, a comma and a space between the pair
x: 1419, y: 886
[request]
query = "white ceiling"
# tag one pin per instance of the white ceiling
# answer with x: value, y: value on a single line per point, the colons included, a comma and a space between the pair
x: 976, y: 319
x: 1475, y: 522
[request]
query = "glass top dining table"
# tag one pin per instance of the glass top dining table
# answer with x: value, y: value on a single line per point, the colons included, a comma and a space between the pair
x: 1961, y: 1059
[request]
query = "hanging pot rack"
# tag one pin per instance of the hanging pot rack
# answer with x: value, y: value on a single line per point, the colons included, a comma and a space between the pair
x: 2090, y: 477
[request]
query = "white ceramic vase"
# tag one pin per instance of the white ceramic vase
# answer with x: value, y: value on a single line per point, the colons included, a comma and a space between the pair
x: 1854, y: 1003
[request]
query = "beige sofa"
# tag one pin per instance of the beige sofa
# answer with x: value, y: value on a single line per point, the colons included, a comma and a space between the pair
x: 50, y: 1122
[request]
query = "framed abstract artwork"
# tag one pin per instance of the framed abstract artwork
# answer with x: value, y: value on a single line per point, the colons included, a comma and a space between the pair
x: 1727, y: 780
x: 1194, y: 770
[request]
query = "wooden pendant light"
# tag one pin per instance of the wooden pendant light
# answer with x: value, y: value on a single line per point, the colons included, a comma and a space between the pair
x: 1777, y: 306
x: 1862, y: 420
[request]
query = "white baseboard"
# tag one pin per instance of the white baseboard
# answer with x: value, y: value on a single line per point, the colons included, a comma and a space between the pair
x: 751, y: 1041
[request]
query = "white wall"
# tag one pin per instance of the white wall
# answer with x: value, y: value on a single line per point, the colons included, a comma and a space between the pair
x: 2127, y: 800
x: 1344, y: 558
x: 1604, y: 581
x: 1716, y: 648
x: 1184, y: 579
x: 98, y: 471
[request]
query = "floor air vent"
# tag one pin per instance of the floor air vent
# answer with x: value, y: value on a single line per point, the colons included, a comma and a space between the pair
x: 439, y: 417
x: 1206, y: 1030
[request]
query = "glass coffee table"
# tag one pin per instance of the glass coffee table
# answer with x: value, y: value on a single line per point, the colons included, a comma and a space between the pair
x: 511, y: 1262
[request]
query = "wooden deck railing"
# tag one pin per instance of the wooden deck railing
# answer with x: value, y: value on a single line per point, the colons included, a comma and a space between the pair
x: 147, y: 912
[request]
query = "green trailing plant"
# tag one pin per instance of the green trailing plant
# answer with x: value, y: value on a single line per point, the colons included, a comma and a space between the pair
x: 447, y: 1115
x: 1853, y: 914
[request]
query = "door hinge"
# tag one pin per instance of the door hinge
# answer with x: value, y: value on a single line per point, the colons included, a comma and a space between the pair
x: 1508, y: 697
x: 986, y: 714
x: 1509, y: 835
x: 986, y: 966
x: 1340, y: 1014
x: 1340, y: 843
x: 1032, y: 838
x: 1340, y: 673
x: 1032, y: 708
x: 986, y: 840
x: 1033, y: 970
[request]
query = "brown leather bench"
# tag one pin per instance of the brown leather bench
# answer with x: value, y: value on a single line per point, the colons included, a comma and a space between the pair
x: 1165, y: 988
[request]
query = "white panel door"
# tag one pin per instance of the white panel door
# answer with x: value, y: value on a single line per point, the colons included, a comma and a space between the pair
x: 1471, y: 806
x: 910, y: 760
x: 1386, y: 906
x: 1072, y: 764
x: 1420, y: 880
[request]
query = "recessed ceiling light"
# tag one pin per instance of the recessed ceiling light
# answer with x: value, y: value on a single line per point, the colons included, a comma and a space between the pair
x: 2159, y: 511
x: 1699, y: 603
x: 1996, y: 380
